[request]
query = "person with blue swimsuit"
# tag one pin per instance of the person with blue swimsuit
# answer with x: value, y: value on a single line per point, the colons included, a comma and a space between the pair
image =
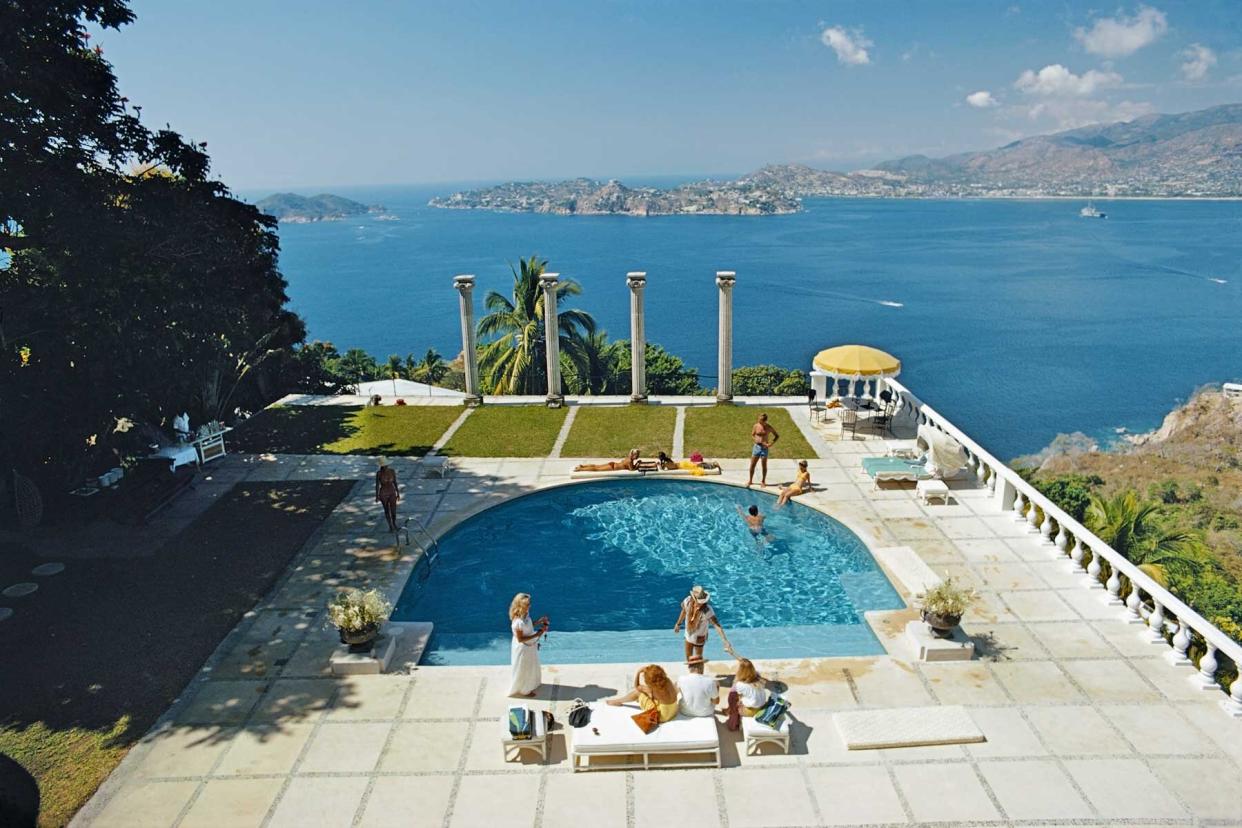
x: 763, y: 436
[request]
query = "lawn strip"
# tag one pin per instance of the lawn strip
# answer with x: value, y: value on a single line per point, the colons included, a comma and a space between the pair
x: 724, y: 431
x: 342, y: 429
x: 611, y: 431
x: 507, y: 431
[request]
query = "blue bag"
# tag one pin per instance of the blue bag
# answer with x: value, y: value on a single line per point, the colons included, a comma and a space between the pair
x: 521, y: 725
x: 772, y: 712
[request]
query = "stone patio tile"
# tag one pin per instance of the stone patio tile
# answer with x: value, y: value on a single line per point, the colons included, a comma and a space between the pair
x: 1007, y: 734
x: 823, y: 742
x: 311, y: 659
x: 1172, y: 682
x: 837, y: 791
x: 345, y: 747
x: 685, y: 797
x: 1157, y: 729
x: 236, y: 803
x: 1210, y: 720
x: 889, y: 684
x: 427, y: 746
x: 1005, y: 526
x: 923, y: 753
x: 442, y: 695
x: 254, y: 659
x: 988, y: 608
x: 575, y: 800
x: 1113, y: 681
x: 937, y: 553
x: 1009, y: 576
x: 985, y: 551
x: 1059, y: 574
x: 265, y: 748
x: 1038, y: 605
x: 1035, y: 789
x: 368, y: 697
x: 1076, y: 731
x: 1124, y: 789
x: 1091, y: 604
x: 1071, y: 639
x: 918, y: 529
x: 841, y: 491
x: 944, y: 793
x: 145, y: 805
x: 407, y: 801
x: 1209, y: 787
x: 295, y: 700
x: 221, y: 702
x: 964, y: 528
x: 1036, y: 682
x: 961, y: 572
x: 898, y: 509
x: 495, y: 801
x: 760, y: 799
x: 964, y: 682
x: 316, y: 801
x: 1004, y: 642
x: 1030, y: 549
x: 1125, y: 638
x: 183, y: 751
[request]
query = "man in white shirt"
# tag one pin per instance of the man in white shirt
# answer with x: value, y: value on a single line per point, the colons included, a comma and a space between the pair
x: 699, y: 694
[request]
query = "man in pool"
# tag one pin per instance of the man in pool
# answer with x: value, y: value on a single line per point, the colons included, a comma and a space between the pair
x: 763, y: 436
x: 754, y: 520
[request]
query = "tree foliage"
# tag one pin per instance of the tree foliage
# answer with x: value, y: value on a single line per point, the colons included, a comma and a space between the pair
x: 769, y: 380
x: 1133, y: 528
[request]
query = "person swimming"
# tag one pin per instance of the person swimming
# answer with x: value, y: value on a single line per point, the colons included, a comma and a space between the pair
x: 754, y: 520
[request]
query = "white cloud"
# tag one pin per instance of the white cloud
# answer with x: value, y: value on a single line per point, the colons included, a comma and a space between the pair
x: 1120, y: 36
x: 1070, y: 113
x: 850, y: 46
x: 1054, y: 80
x: 1197, y: 60
x: 981, y: 99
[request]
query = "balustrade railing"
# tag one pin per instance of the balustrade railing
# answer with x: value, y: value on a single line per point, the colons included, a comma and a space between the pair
x: 1168, y: 621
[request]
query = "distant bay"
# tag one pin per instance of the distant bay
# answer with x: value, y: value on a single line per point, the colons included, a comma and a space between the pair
x: 1019, y: 320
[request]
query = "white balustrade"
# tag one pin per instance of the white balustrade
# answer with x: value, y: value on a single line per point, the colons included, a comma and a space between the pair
x: 1190, y: 625
x: 1045, y: 529
x: 1206, y: 677
x: 1179, y: 656
x: 1113, y: 585
x: 1062, y: 539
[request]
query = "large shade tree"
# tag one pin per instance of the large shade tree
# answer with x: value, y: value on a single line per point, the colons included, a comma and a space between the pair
x: 513, y: 359
x: 1133, y: 528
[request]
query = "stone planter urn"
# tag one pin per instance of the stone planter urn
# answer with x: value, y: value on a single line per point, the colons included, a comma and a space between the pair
x: 941, y: 626
x: 360, y: 641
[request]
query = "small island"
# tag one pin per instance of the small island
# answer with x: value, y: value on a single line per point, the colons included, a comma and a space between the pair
x: 292, y: 208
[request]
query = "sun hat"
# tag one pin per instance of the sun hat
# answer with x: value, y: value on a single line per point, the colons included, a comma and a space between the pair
x: 696, y: 458
x: 699, y: 594
x: 695, y: 660
x: 384, y: 461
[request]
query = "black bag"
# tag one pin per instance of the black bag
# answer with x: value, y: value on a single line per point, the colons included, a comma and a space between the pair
x: 579, y: 714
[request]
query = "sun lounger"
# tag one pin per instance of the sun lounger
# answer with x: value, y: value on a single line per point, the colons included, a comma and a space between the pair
x: 681, y: 743
x: 756, y: 733
x: 436, y: 464
x: 588, y: 475
x: 894, y: 468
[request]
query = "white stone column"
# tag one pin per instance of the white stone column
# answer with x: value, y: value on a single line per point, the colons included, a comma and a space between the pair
x: 552, y: 338
x: 637, y: 281
x: 469, y: 350
x: 725, y: 280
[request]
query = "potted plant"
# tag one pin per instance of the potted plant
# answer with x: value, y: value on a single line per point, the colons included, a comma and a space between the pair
x: 943, y: 605
x: 358, y: 616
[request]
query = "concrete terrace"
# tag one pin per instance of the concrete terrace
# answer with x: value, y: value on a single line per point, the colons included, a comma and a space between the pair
x: 1086, y: 720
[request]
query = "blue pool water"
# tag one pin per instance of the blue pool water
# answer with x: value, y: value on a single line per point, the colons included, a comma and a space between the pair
x: 610, y: 561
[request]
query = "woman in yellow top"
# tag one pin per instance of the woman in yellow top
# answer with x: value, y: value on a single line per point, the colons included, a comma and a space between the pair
x: 801, y: 485
x: 652, y: 689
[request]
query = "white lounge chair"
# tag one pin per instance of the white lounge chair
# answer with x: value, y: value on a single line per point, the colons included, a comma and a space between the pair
x: 756, y: 734
x: 436, y: 464
x: 686, y: 742
x: 537, y: 742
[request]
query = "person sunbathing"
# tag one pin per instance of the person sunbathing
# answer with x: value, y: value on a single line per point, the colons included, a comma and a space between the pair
x: 630, y: 463
x: 801, y: 485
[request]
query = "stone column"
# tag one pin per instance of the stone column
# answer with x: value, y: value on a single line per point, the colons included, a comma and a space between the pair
x: 637, y: 281
x: 469, y: 350
x: 725, y: 280
x: 552, y: 339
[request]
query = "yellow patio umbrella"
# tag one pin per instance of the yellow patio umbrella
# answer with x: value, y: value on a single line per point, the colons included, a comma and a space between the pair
x: 857, y: 361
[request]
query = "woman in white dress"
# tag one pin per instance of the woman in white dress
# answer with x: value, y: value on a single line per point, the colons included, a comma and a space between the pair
x: 524, y: 650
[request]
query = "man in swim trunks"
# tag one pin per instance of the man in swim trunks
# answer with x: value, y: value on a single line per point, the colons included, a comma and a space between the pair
x: 754, y: 520
x: 763, y: 436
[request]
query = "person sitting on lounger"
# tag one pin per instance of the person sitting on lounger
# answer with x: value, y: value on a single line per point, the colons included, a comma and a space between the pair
x: 652, y: 689
x: 697, y: 459
x: 665, y: 463
x: 630, y: 463
x: 751, y: 687
x: 699, y: 693
x: 801, y: 485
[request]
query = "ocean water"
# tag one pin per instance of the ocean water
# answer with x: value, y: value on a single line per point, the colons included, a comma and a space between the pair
x: 610, y: 561
x: 1018, y: 320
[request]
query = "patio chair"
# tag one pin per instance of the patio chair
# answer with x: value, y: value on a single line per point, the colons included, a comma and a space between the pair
x: 817, y: 410
x: 849, y: 422
x: 882, y: 421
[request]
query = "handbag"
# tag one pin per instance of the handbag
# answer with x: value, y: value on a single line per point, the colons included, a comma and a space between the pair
x: 772, y: 712
x: 648, y: 720
x: 521, y: 726
x: 579, y: 714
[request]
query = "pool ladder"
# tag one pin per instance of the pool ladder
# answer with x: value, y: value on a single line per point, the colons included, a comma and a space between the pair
x: 427, y: 543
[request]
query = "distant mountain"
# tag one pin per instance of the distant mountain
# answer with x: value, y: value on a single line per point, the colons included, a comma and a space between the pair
x: 587, y: 197
x: 291, y: 207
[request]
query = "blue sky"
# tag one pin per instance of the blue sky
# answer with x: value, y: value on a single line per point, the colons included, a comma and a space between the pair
x: 365, y: 93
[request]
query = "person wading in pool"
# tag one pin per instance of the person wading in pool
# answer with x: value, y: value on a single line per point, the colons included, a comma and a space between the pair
x: 698, y: 614
x: 763, y: 436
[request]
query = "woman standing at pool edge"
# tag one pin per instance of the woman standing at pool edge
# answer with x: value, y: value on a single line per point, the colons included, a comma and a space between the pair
x: 524, y: 650
x: 698, y: 614
x: 387, y: 493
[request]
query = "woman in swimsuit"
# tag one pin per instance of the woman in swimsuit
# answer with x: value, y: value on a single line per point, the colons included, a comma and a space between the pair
x: 652, y: 689
x: 386, y: 492
x: 801, y: 485
x: 630, y: 463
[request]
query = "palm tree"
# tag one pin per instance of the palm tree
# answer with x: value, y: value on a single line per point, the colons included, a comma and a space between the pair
x: 433, y: 367
x: 1133, y: 528
x: 357, y: 365
x: 393, y: 369
x: 599, y: 364
x: 513, y: 360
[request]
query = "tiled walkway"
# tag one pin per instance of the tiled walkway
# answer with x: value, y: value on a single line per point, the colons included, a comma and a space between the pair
x: 1087, y: 724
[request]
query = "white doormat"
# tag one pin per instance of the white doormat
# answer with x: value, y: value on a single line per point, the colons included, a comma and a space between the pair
x: 906, y: 727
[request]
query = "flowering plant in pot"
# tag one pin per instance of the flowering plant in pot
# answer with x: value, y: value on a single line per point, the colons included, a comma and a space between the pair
x: 943, y: 605
x: 358, y: 616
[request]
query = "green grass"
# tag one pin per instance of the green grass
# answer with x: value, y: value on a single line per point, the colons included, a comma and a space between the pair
x: 611, y: 432
x: 507, y: 431
x: 724, y: 431
x: 69, y: 764
x: 338, y: 429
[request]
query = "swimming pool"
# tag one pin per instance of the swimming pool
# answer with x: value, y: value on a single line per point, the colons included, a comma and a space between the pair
x: 610, y: 561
